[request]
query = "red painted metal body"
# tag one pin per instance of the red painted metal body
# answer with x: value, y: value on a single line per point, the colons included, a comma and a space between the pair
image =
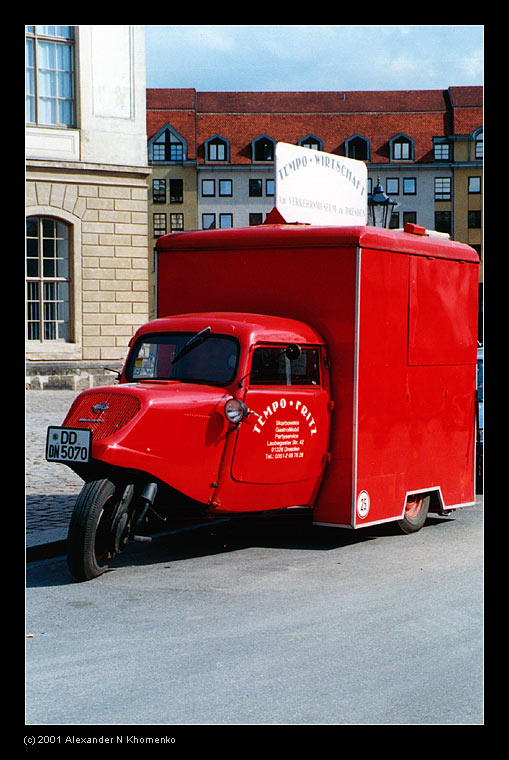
x: 389, y: 320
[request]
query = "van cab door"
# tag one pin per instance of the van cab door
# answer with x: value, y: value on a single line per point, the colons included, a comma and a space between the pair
x: 285, y: 437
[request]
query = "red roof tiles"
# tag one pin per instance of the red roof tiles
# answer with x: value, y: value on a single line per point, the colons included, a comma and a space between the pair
x: 333, y: 117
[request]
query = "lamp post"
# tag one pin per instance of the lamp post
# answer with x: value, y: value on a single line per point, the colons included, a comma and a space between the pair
x: 380, y: 207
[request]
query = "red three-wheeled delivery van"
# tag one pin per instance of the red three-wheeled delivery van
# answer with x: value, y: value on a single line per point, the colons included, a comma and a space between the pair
x: 293, y: 365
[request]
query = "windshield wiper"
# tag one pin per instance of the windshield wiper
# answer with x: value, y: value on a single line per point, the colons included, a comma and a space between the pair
x: 192, y: 343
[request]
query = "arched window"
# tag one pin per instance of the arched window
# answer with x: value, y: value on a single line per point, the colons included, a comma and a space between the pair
x: 48, y: 280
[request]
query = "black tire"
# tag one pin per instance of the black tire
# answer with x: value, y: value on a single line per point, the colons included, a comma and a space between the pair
x: 416, y: 512
x: 98, y: 524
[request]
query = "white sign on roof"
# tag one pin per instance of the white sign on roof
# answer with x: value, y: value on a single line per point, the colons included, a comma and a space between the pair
x: 319, y: 188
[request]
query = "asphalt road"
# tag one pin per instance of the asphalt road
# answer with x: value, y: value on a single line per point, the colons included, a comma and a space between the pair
x: 262, y: 623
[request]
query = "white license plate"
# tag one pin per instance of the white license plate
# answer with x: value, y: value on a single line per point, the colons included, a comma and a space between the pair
x: 65, y: 444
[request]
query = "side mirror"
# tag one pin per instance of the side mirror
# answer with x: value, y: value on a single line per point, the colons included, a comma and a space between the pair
x: 293, y: 352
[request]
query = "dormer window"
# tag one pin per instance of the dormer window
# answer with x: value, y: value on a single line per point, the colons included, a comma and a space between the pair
x: 263, y: 149
x: 402, y: 148
x: 357, y: 147
x: 311, y: 142
x: 442, y: 149
x: 217, y: 149
x: 478, y: 138
x: 167, y: 146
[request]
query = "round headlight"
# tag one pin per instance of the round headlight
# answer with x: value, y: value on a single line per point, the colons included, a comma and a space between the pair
x: 235, y: 410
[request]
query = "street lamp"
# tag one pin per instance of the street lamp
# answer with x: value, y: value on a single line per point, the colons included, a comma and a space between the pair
x: 380, y: 207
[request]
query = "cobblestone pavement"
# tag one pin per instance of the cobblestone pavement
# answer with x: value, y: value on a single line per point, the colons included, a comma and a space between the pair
x: 51, y: 489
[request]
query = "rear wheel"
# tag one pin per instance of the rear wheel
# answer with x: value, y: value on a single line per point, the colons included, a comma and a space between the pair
x: 416, y: 511
x: 99, y: 527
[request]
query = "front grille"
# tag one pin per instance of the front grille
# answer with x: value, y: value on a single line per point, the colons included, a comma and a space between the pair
x: 122, y: 407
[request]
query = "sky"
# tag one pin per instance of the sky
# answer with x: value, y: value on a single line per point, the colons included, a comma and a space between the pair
x: 311, y: 58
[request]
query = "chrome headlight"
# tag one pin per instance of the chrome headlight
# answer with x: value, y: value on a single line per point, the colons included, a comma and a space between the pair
x: 235, y: 411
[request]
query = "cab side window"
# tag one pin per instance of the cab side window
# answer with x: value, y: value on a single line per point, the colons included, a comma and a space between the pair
x: 271, y: 366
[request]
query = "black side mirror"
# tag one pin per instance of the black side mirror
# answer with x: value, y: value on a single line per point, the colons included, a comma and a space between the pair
x: 293, y: 351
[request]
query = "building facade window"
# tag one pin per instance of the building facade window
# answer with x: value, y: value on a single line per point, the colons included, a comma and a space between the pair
x: 208, y: 188
x: 409, y: 186
x: 176, y: 222
x: 394, y: 221
x: 442, y: 188
x: 474, y: 220
x: 208, y: 221
x: 48, y: 280
x: 443, y: 221
x: 225, y: 221
x: 474, y: 185
x: 50, y: 88
x: 226, y: 188
x: 255, y: 219
x: 159, y: 190
x: 392, y: 186
x: 255, y: 188
x: 409, y: 216
x: 159, y: 221
x: 176, y: 190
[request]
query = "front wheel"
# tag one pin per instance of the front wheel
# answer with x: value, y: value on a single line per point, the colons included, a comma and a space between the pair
x: 99, y: 527
x: 416, y: 511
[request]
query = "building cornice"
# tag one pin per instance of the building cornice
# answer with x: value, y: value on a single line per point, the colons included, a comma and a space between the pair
x: 86, y: 167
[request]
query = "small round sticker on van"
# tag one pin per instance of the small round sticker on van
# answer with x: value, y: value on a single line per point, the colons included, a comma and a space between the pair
x: 363, y: 503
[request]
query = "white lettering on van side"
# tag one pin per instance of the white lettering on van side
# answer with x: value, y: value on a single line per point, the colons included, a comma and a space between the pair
x: 282, y: 404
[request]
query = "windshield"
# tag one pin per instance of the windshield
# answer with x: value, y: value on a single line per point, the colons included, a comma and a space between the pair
x: 156, y: 357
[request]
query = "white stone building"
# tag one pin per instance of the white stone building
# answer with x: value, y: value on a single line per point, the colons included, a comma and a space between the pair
x: 86, y: 201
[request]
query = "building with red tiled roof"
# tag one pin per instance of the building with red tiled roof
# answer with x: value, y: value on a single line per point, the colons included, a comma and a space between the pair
x: 212, y: 152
